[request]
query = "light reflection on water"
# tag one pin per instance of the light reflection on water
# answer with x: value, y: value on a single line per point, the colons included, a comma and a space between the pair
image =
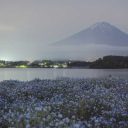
x: 32, y: 73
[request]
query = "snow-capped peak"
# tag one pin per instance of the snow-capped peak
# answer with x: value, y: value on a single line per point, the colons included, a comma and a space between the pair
x: 99, y: 33
x: 102, y: 26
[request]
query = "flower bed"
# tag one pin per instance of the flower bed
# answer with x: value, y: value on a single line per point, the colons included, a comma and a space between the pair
x: 64, y: 103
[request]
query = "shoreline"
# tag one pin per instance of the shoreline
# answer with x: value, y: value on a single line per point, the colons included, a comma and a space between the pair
x: 58, y: 68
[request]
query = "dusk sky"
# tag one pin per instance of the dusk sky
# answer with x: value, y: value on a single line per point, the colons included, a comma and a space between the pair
x: 29, y: 27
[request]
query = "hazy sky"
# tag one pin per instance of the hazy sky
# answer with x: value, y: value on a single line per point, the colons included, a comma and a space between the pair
x: 28, y: 27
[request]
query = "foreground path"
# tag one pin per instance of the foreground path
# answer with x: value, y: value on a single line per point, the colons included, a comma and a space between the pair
x: 64, y: 103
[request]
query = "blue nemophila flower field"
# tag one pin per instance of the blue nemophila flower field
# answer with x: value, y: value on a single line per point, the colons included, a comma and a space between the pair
x: 64, y: 103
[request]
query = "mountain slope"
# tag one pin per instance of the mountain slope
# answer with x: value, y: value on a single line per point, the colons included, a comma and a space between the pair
x: 99, y: 33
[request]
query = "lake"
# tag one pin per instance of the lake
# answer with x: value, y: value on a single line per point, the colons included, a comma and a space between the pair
x: 45, y: 73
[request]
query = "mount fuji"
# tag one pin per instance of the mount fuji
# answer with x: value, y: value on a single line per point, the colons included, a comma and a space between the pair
x: 102, y: 33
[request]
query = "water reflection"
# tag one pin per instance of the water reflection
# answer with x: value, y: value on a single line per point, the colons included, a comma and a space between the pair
x: 29, y: 74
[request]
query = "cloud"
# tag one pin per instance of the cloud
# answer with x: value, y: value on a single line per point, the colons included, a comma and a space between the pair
x: 28, y: 26
x: 6, y: 28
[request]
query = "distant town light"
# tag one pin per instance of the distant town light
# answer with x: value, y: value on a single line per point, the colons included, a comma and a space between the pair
x: 55, y: 66
x: 21, y: 66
